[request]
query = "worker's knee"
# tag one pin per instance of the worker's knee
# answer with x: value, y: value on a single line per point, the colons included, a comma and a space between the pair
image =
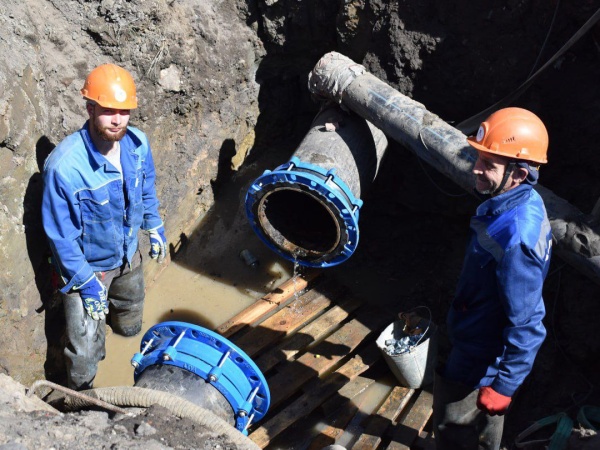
x: 127, y: 325
x: 126, y: 316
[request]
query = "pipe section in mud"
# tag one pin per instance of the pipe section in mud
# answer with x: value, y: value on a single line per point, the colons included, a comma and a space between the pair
x: 307, y: 209
x: 336, y: 77
x: 204, y: 368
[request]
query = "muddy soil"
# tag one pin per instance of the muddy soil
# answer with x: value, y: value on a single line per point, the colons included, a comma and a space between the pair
x: 457, y: 58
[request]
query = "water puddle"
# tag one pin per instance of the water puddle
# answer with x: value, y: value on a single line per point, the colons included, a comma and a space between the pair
x: 183, y: 294
x: 368, y: 403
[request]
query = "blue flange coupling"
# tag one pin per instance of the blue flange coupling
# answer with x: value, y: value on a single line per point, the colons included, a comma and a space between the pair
x: 323, y: 187
x: 213, y: 358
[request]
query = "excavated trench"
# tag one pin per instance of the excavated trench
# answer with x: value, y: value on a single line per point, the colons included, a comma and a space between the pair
x: 454, y: 58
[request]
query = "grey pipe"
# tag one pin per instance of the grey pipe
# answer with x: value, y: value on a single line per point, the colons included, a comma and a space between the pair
x: 336, y: 77
x: 187, y: 385
x: 144, y: 398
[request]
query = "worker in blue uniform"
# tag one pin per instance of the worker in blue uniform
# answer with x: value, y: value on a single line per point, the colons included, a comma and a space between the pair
x: 98, y: 192
x: 495, y: 320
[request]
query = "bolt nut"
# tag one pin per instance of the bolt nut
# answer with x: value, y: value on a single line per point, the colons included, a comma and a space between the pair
x: 242, y: 413
x: 212, y: 378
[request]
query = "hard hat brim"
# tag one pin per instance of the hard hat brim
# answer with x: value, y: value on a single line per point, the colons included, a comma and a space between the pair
x: 473, y: 143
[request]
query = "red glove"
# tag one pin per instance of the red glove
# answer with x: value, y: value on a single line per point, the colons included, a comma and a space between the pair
x: 491, y: 402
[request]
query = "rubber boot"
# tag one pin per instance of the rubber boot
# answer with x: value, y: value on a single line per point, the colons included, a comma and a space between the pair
x: 85, y: 343
x: 457, y: 423
x: 126, y: 298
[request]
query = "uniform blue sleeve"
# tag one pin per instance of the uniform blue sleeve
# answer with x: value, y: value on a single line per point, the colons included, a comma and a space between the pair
x: 520, y: 275
x: 62, y: 224
x: 150, y: 200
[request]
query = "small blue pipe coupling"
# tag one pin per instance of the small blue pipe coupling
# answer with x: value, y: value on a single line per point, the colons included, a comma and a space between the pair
x: 211, y: 357
x: 304, y: 213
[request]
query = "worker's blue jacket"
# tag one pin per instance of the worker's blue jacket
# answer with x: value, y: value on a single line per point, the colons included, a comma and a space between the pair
x: 495, y: 321
x: 90, y: 213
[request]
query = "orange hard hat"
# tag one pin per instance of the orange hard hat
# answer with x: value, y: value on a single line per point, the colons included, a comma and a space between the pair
x: 110, y: 86
x: 515, y: 133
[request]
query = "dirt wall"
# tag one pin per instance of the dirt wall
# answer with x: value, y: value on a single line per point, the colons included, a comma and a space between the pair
x: 220, y: 80
x: 195, y: 64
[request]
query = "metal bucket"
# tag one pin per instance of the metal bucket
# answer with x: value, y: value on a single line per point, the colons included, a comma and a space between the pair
x: 414, y: 368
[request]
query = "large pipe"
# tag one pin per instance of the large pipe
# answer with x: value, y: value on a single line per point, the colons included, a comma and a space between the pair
x: 338, y: 78
x: 307, y: 209
x: 205, y: 369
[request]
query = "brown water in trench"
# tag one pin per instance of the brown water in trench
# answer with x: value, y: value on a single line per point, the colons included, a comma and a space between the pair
x: 182, y: 294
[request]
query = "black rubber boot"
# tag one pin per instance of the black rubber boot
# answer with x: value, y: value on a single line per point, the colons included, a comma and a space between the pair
x: 85, y: 343
x: 126, y: 297
x: 457, y: 423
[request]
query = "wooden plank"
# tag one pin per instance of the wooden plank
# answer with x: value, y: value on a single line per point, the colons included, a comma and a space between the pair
x: 337, y: 425
x: 312, y: 332
x: 273, y: 329
x: 410, y: 426
x: 346, y: 394
x: 310, y: 400
x: 340, y: 411
x: 383, y: 418
x: 322, y: 357
x: 267, y: 304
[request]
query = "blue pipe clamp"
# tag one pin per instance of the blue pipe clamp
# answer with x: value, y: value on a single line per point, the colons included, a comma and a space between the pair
x: 326, y: 188
x: 213, y: 358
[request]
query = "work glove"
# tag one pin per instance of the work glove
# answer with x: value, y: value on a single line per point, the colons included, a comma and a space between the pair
x: 158, y: 244
x: 491, y: 402
x: 93, y: 295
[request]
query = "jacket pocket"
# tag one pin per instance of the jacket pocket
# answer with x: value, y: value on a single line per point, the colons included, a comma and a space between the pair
x: 134, y: 191
x: 99, y: 238
x: 135, y: 188
x: 94, y: 205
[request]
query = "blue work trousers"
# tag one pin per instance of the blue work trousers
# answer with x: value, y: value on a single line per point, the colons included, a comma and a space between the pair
x: 85, y: 346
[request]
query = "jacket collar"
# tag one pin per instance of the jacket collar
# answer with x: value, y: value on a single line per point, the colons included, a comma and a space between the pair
x: 129, y: 143
x: 505, y: 201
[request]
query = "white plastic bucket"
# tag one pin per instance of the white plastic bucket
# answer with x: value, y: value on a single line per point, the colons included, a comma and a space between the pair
x: 414, y: 368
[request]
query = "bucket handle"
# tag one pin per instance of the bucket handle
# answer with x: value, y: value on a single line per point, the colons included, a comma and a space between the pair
x: 428, y: 323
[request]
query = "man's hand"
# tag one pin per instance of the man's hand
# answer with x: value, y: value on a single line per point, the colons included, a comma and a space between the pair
x: 492, y: 402
x: 93, y: 295
x: 158, y: 244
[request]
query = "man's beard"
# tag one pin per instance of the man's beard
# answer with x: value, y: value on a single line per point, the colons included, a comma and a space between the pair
x: 489, y: 190
x: 106, y: 135
x: 485, y: 191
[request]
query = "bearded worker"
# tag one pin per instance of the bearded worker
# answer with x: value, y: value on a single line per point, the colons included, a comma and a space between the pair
x: 495, y: 320
x: 98, y: 192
